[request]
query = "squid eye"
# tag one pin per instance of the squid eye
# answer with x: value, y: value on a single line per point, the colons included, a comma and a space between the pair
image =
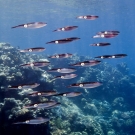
x: 30, y: 50
x: 85, y: 17
x: 58, y: 70
x: 56, y: 42
x: 57, y: 56
x: 80, y: 85
x: 82, y: 64
x: 39, y: 94
x: 64, y: 95
x: 25, y: 26
x: 19, y: 87
x: 113, y: 56
x: 102, y: 35
x: 35, y: 105
x: 27, y: 121
x: 31, y: 64
x: 63, y: 29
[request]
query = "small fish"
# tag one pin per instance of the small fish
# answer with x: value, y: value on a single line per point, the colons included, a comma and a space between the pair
x: 112, y: 56
x: 67, y: 28
x: 108, y: 32
x: 100, y: 44
x: 62, y: 70
x: 88, y: 17
x: 87, y: 63
x: 39, y: 120
x: 69, y: 94
x: 36, y: 64
x: 43, y: 93
x: 32, y: 25
x: 85, y: 85
x: 65, y: 55
x: 62, y: 41
x: 25, y: 86
x: 67, y: 76
x: 36, y: 49
x: 105, y: 36
x: 41, y: 105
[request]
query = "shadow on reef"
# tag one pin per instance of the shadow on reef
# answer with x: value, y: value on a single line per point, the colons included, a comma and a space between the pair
x: 105, y: 110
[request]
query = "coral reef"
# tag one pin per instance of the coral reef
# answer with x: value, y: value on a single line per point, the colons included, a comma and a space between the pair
x: 105, y: 110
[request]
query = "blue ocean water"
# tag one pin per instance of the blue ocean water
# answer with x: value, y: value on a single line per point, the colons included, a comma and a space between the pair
x: 113, y: 15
